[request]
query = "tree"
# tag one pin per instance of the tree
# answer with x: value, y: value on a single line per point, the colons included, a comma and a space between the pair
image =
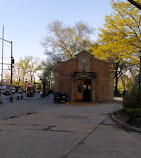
x: 48, y: 72
x: 66, y: 40
x: 7, y: 76
x: 137, y: 4
x: 16, y: 75
x: 34, y: 66
x: 119, y: 59
x: 125, y: 23
x: 23, y: 64
x: 120, y: 39
x: 28, y: 66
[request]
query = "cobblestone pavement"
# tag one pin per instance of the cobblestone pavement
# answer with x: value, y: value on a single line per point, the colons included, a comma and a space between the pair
x: 51, y: 130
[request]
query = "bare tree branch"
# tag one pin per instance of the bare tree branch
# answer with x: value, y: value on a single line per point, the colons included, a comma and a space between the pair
x: 136, y: 4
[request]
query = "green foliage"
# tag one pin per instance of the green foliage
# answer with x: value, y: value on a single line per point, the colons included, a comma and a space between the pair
x: 119, y: 40
x: 131, y: 99
x: 23, y: 64
x: 48, y: 68
x: 28, y: 65
x: 129, y: 84
x: 131, y: 113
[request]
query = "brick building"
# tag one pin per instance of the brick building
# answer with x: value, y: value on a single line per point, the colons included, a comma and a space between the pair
x: 85, y: 78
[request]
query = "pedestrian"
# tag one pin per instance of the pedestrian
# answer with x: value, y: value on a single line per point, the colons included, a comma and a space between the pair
x: 124, y: 93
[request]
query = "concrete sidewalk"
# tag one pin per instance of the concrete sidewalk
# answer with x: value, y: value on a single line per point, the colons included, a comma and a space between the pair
x: 107, y: 142
x: 67, y: 131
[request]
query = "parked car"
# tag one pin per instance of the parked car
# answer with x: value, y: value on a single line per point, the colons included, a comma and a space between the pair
x: 7, y: 92
x: 3, y: 89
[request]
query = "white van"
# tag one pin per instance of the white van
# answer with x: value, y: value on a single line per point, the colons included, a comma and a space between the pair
x: 13, y: 90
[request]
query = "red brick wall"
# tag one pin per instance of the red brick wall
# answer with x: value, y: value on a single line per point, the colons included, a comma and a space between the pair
x: 103, y: 81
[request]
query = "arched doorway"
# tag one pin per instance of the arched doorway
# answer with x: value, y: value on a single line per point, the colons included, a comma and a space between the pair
x: 87, y: 91
x: 83, y: 90
x: 83, y: 86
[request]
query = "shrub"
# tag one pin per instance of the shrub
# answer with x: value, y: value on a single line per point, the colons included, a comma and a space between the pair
x: 131, y: 98
x: 131, y: 113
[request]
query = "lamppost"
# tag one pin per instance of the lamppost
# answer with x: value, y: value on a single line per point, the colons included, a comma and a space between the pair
x: 12, y: 62
x: 1, y: 101
x: 140, y: 79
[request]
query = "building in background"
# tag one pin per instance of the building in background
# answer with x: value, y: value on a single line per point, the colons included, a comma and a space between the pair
x: 85, y: 79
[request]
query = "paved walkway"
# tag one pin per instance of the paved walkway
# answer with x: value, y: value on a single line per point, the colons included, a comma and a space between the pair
x: 108, y: 142
x: 67, y: 131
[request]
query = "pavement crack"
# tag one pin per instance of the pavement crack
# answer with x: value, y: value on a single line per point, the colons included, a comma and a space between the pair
x: 64, y: 131
x: 29, y: 113
x: 17, y: 116
x: 82, y: 141
x: 48, y: 128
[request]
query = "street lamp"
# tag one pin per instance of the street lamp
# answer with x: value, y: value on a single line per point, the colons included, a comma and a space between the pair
x: 12, y: 62
x: 2, y: 64
x: 140, y: 79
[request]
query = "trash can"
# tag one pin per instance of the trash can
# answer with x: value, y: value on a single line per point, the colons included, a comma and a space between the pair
x: 57, y: 97
x: 63, y: 98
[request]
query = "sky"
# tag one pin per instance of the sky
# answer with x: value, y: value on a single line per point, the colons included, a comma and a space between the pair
x: 25, y: 22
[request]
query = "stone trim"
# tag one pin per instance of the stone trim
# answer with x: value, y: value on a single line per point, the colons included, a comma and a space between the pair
x: 84, y: 75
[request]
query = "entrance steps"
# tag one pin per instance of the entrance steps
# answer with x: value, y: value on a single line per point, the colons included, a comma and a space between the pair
x: 82, y: 103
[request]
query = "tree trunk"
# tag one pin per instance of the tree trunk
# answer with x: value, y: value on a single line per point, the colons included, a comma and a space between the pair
x: 116, y: 84
x: 136, y: 4
x: 116, y: 79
